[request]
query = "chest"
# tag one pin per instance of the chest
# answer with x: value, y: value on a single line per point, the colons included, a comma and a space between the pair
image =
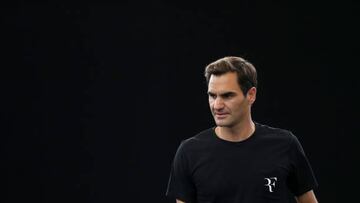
x: 238, y: 173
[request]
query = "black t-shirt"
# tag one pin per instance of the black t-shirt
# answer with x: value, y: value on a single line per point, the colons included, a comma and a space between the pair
x: 263, y: 168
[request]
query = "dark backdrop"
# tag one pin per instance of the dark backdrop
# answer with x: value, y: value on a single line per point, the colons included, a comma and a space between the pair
x: 96, y: 97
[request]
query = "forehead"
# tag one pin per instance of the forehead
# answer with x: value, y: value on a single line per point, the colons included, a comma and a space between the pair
x: 224, y: 83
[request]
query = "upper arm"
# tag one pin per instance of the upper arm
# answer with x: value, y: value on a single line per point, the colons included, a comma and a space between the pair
x: 181, y: 185
x: 307, y: 197
x: 301, y: 177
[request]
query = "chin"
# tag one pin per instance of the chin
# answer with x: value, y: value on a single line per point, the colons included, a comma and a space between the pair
x: 222, y: 124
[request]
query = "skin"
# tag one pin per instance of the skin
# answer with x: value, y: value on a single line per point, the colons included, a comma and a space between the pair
x: 307, y: 197
x: 231, y: 110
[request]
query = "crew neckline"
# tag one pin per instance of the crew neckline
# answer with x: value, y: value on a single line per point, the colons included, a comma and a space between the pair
x: 248, y: 139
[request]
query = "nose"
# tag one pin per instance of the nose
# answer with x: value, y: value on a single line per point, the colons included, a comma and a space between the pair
x: 218, y: 103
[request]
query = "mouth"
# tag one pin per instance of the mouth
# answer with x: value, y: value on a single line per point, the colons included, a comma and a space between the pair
x: 221, y: 115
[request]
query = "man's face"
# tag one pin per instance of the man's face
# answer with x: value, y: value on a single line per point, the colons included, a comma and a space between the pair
x: 227, y: 102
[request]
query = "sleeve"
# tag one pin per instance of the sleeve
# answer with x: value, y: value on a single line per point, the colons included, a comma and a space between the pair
x: 180, y: 185
x: 301, y: 178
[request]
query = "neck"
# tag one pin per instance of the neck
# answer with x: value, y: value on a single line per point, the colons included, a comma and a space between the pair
x: 239, y: 132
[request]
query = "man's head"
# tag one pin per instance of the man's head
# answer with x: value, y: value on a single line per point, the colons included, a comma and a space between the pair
x: 246, y: 72
x: 231, y: 89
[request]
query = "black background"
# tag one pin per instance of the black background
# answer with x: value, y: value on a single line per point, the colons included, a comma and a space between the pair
x: 96, y: 97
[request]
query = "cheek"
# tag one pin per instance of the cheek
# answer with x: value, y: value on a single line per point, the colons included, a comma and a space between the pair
x: 211, y: 102
x: 211, y: 105
x: 236, y: 106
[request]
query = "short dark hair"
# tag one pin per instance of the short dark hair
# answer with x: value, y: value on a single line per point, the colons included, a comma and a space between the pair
x: 246, y: 72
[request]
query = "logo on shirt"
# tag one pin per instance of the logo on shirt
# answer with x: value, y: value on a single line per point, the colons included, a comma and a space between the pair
x: 270, y: 183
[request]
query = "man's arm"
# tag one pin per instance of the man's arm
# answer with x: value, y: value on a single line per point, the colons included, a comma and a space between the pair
x: 179, y: 201
x: 307, y: 197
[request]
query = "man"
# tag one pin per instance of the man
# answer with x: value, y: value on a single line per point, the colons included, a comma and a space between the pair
x: 239, y: 160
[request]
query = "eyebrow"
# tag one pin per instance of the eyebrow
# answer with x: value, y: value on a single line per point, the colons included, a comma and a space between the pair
x: 222, y: 94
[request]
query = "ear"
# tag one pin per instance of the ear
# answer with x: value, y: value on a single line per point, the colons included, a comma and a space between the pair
x: 251, y: 95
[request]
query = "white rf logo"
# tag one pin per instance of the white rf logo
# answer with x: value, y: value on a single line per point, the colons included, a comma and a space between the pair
x: 271, y: 183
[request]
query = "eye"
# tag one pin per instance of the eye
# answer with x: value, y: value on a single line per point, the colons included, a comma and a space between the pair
x: 211, y: 95
x: 228, y: 95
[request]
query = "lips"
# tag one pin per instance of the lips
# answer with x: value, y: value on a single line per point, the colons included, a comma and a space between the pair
x: 221, y: 115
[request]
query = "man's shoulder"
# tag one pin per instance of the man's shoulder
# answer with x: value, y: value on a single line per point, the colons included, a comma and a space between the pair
x: 274, y: 132
x: 201, y: 137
